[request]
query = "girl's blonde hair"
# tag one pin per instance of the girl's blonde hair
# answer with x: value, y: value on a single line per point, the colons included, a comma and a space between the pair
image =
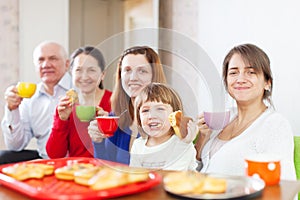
x: 157, y: 92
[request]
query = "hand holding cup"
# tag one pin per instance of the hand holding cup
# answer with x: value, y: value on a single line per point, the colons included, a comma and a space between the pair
x: 203, y: 135
x: 101, y: 112
x: 204, y: 130
x: 12, y: 98
x: 94, y: 132
x: 107, y: 124
x: 104, y: 126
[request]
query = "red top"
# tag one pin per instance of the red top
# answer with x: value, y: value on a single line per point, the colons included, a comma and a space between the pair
x: 70, y: 138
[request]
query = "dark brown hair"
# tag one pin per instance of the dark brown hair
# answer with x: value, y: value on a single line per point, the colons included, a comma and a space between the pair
x: 91, y: 51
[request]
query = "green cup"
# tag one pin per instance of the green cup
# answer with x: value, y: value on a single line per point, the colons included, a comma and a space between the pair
x: 85, y: 113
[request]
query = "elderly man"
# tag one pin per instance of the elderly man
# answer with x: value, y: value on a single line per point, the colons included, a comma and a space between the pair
x: 25, y: 119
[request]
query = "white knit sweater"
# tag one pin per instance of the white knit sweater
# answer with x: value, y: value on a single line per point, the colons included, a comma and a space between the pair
x: 270, y: 133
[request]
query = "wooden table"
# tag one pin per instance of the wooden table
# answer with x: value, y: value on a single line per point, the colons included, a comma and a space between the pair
x: 286, y: 190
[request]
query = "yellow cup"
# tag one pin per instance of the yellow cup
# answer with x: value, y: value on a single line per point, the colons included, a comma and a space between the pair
x: 26, y: 89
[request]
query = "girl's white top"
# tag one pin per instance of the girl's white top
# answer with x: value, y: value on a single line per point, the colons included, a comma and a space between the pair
x: 173, y: 154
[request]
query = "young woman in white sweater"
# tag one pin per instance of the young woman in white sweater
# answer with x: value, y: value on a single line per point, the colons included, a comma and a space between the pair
x: 255, y: 126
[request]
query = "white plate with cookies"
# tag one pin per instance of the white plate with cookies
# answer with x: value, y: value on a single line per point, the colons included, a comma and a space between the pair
x: 195, y: 185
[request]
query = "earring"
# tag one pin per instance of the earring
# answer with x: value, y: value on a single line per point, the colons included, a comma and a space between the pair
x: 268, y: 88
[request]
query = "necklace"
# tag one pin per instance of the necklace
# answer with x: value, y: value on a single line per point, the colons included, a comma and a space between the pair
x: 236, y: 130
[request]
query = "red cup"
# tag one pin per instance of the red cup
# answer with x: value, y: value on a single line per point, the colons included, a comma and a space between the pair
x: 107, y: 124
x: 264, y: 166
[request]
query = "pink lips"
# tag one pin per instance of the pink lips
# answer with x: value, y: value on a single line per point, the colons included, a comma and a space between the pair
x: 241, y: 88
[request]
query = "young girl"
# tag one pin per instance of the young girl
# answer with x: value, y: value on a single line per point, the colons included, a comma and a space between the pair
x: 160, y: 148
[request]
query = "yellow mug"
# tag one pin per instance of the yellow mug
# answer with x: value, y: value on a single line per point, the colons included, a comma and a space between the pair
x: 26, y: 89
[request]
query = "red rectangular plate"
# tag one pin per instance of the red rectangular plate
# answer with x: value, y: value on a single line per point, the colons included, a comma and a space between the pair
x: 50, y: 187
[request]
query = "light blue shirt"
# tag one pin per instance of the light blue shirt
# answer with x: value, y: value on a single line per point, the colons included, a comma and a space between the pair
x: 33, y: 118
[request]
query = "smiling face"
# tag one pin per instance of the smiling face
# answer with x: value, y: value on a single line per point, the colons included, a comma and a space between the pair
x: 51, y: 63
x: 245, y: 83
x: 136, y: 73
x: 86, y: 73
x: 154, y: 118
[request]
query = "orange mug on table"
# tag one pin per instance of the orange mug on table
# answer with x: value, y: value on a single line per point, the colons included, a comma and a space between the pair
x: 264, y: 166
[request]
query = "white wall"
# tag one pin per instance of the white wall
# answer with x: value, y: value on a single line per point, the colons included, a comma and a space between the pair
x: 41, y: 20
x: 271, y: 25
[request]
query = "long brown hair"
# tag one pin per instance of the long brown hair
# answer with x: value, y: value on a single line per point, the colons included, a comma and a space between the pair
x: 120, y: 101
